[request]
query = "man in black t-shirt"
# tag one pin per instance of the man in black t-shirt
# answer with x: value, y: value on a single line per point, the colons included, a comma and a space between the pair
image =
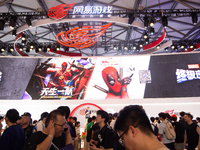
x: 105, y: 135
x: 51, y: 137
x: 192, y: 133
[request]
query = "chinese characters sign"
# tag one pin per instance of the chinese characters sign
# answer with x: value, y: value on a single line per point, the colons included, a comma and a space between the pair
x: 187, y: 75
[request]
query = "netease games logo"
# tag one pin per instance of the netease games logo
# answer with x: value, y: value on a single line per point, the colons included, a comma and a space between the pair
x: 187, y: 75
x: 92, y: 10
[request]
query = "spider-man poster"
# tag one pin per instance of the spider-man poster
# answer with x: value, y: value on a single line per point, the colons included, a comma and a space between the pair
x: 60, y: 78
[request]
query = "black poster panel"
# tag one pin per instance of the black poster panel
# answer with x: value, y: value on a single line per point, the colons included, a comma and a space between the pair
x: 15, y: 76
x: 166, y: 80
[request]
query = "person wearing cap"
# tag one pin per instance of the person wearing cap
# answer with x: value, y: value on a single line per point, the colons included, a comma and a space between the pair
x: 25, y: 123
x: 180, y: 131
x: 41, y: 124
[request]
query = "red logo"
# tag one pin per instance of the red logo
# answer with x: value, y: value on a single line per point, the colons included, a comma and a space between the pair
x: 60, y: 11
x: 81, y: 38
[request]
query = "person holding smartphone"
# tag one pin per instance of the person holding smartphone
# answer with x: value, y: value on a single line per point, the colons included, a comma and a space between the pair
x: 51, y: 137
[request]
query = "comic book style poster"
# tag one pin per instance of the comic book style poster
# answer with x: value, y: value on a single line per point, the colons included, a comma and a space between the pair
x: 60, y: 78
x: 119, y: 78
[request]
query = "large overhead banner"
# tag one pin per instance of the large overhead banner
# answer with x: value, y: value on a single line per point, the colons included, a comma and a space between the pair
x: 96, y: 78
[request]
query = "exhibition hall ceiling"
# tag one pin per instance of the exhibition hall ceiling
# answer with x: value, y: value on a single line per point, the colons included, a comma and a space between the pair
x: 110, y: 34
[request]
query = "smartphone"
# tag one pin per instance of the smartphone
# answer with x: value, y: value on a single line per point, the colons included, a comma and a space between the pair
x: 65, y: 129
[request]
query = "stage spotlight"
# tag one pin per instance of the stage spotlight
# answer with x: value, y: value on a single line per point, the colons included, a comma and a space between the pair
x: 27, y: 49
x: 11, y: 49
x: 54, y: 49
x: 158, y: 46
x: 80, y: 25
x: 147, y: 40
x: 172, y: 46
x: 134, y: 46
x: 131, y: 18
x: 48, y: 47
x: 137, y: 49
x: 21, y: 48
x: 115, y: 47
x: 28, y: 21
x: 14, y: 32
x: 2, y: 23
x: 2, y: 49
x: 23, y: 42
x: 176, y: 48
x: 120, y: 48
x: 32, y: 45
x: 151, y: 23
x: 164, y: 21
x: 145, y: 35
x: 23, y: 37
x: 125, y: 47
x: 166, y: 49
x: 106, y: 49
x: 195, y: 47
x: 152, y: 30
x: 194, y: 18
x: 36, y: 49
x: 57, y: 47
x: 13, y: 20
x: 45, y: 49
x: 146, y: 21
x: 40, y: 48
x: 141, y: 44
x: 182, y: 46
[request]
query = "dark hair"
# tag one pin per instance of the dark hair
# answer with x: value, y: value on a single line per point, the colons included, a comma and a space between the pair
x: 189, y: 115
x: 162, y: 115
x: 34, y: 121
x: 152, y: 119
x: 77, y: 123
x: 44, y: 115
x: 74, y: 118
x: 198, y: 119
x: 173, y: 118
x: 182, y: 113
x: 89, y: 120
x: 133, y: 115
x: 1, y: 117
x: 66, y: 110
x: 115, y: 114
x: 53, y: 116
x: 103, y: 114
x: 12, y: 115
x: 93, y: 117
x: 168, y: 116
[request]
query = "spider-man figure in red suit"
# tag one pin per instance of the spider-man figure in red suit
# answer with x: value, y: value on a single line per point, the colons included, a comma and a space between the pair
x: 117, y: 86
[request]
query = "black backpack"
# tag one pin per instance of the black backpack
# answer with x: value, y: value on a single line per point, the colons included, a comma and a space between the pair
x: 155, y: 131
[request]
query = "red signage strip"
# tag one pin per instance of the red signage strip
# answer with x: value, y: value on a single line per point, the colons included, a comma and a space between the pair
x: 65, y: 53
x: 155, y: 43
x: 193, y: 66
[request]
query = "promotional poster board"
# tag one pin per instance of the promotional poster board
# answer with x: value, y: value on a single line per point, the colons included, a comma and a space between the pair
x: 97, y: 78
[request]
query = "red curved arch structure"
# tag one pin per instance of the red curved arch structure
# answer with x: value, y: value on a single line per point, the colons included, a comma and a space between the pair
x: 59, y: 11
x: 81, y: 37
x: 84, y: 104
x: 15, y: 46
x: 155, y: 43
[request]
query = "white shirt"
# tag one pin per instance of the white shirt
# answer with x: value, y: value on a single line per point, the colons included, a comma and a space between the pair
x: 40, y: 126
x: 112, y: 124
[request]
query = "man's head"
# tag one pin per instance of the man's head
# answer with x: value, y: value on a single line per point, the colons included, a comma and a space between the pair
x: 174, y: 117
x: 11, y: 116
x: 59, y: 120
x: 152, y: 119
x: 66, y: 110
x: 73, y: 120
x: 162, y: 116
x: 1, y: 119
x: 44, y: 116
x: 188, y: 117
x: 115, y: 115
x: 77, y: 124
x: 182, y: 114
x: 93, y: 118
x: 132, y: 119
x: 102, y: 116
x: 26, y: 118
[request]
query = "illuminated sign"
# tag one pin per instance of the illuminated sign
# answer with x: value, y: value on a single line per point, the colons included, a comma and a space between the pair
x: 193, y: 66
x: 92, y: 10
x: 187, y: 75
x: 81, y: 37
x: 60, y: 11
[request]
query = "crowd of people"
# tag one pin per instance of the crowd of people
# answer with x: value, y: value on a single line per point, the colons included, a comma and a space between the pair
x: 129, y: 129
